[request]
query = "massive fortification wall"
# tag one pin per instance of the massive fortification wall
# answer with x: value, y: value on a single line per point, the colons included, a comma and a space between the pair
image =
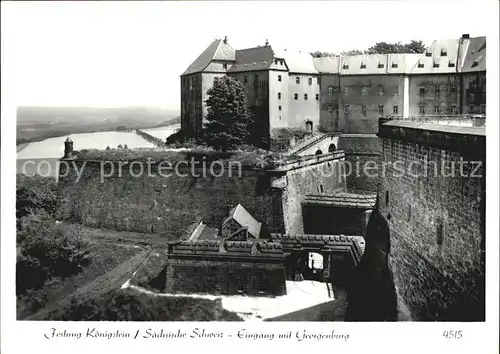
x: 164, y: 205
x: 323, y: 175
x: 228, y: 268
x: 362, y: 155
x: 437, y: 219
x: 113, y: 195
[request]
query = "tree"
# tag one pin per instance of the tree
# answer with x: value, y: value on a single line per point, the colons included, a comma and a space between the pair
x: 352, y: 52
x: 390, y: 48
x: 319, y: 54
x: 229, y: 119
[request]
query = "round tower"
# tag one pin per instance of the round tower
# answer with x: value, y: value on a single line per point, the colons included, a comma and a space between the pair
x: 68, y: 148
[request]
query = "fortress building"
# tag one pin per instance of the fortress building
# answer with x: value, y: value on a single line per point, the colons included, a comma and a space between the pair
x: 341, y: 93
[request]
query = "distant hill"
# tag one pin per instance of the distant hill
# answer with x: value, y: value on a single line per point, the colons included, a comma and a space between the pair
x: 39, y: 123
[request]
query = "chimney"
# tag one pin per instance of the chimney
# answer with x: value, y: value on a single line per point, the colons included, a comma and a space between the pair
x: 68, y: 148
x: 465, y: 36
x: 267, y: 42
x: 225, y: 39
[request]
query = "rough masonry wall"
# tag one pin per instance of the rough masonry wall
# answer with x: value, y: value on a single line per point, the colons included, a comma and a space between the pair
x: 439, y: 277
x: 164, y: 205
x: 225, y: 277
x: 325, y: 177
x: 362, y: 155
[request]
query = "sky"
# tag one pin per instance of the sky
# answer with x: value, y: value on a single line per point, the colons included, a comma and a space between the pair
x: 132, y: 53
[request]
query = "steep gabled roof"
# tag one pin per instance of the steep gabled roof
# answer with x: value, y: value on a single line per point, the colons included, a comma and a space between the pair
x: 252, y: 59
x: 474, y: 57
x: 244, y: 219
x: 364, y: 64
x: 327, y: 65
x: 440, y: 58
x: 297, y: 62
x: 402, y: 63
x: 217, y: 50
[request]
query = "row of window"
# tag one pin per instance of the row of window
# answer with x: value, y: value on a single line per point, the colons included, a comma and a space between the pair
x: 381, y: 90
x: 296, y: 96
x: 422, y: 110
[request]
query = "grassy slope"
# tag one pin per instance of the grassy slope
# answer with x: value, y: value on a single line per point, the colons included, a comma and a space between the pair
x: 105, y: 257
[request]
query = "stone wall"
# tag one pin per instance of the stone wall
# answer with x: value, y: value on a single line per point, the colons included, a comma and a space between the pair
x: 227, y: 268
x: 437, y: 221
x: 163, y: 205
x: 362, y: 160
x: 324, y: 177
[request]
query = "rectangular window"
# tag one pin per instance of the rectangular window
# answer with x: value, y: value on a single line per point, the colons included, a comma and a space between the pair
x: 471, y: 108
x: 437, y: 109
x: 395, y: 109
x: 310, y: 81
x: 347, y: 108
x: 279, y: 108
x: 483, y: 108
x: 363, y: 110
x: 364, y: 91
x: 395, y: 90
x: 421, y: 109
x: 346, y: 90
x: 279, y: 95
x: 422, y: 91
x: 245, y: 80
x: 330, y: 108
x: 256, y: 81
x: 318, y: 80
x: 453, y: 89
x: 380, y: 90
x: 330, y: 90
x: 381, y: 108
x: 317, y: 97
x: 305, y: 96
x: 297, y: 80
x: 472, y: 96
x: 453, y: 109
x: 437, y: 90
x: 296, y: 96
x: 224, y: 66
x: 279, y: 78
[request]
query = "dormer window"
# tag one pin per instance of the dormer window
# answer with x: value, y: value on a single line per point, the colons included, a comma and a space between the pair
x: 394, y: 65
x: 420, y: 65
x: 363, y: 66
x: 451, y: 65
x: 224, y: 66
x: 276, y: 61
x: 380, y: 65
x: 444, y: 52
x: 475, y: 63
x: 428, y: 54
x: 435, y: 65
x: 345, y: 66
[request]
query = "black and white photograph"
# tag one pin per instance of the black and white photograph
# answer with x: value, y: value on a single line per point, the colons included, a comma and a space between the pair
x: 267, y: 163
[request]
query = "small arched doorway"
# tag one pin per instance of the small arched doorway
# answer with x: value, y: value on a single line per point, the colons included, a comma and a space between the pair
x: 309, y: 126
x: 319, y: 152
x: 332, y: 148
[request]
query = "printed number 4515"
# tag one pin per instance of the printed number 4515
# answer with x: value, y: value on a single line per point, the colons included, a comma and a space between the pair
x: 452, y: 334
